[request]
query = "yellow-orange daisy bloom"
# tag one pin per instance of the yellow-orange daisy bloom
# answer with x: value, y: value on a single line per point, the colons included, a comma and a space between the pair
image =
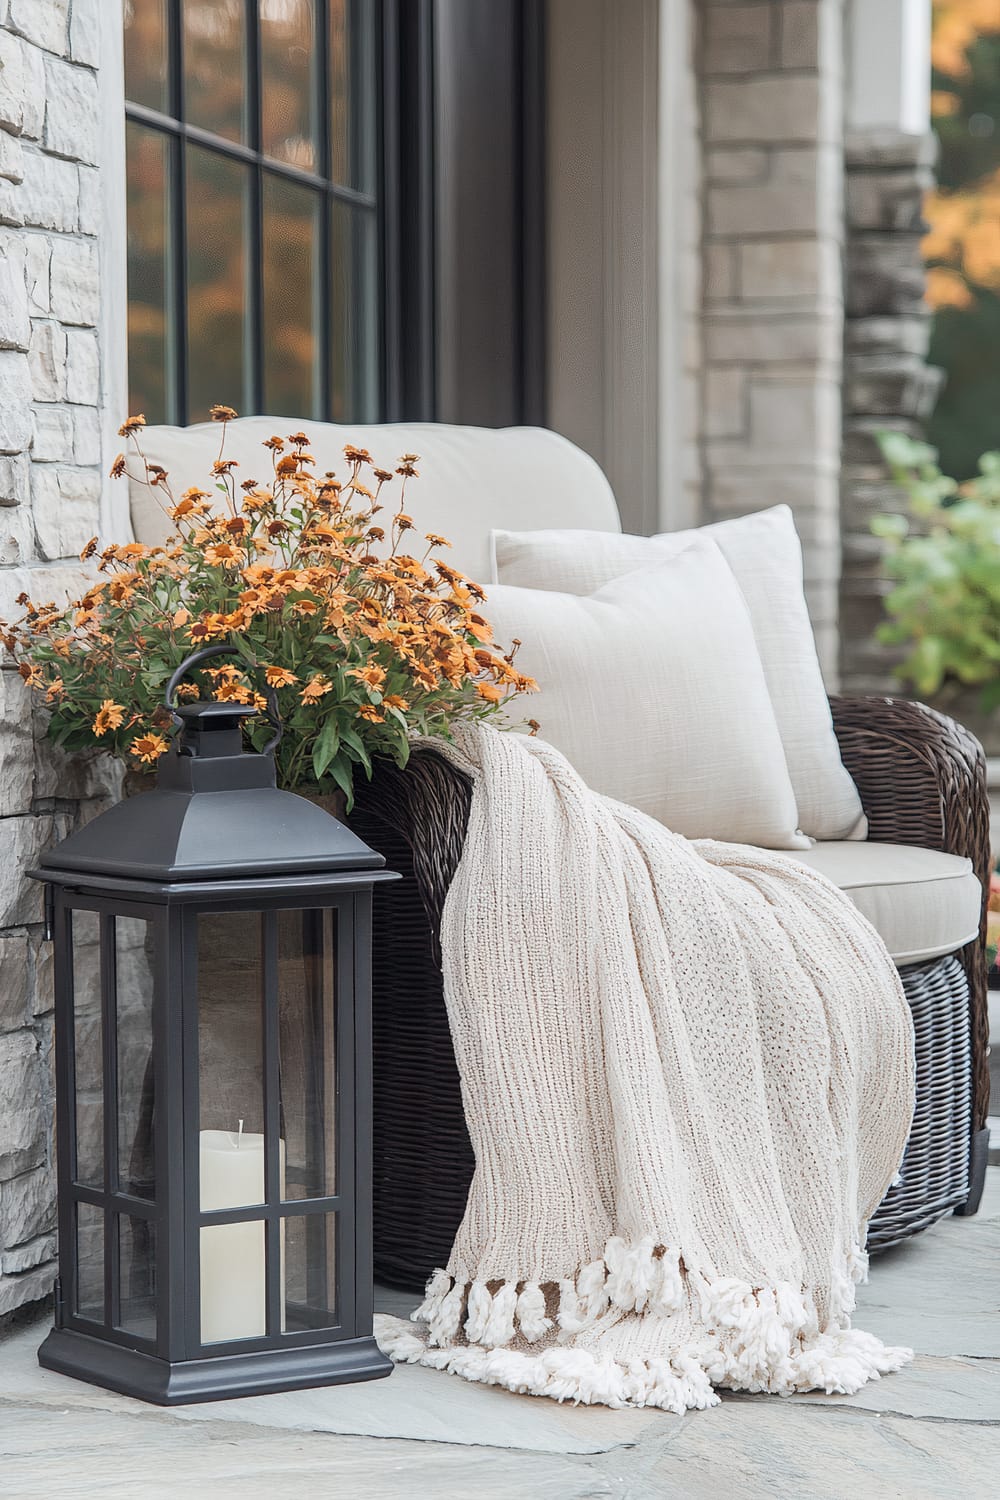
x: 372, y: 677
x: 148, y: 748
x: 317, y: 687
x: 277, y: 677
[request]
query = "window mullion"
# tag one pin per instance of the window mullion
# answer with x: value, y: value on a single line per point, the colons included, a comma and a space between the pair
x: 254, y: 379
x: 324, y: 269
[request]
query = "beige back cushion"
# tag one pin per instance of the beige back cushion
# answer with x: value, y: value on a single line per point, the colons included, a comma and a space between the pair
x: 470, y: 477
x: 653, y: 689
x: 765, y: 555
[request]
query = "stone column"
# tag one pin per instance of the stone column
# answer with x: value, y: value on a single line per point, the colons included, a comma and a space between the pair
x: 49, y: 494
x: 772, y: 102
x: 886, y: 382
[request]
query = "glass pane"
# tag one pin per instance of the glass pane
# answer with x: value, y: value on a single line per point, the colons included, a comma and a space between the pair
x: 137, y: 1261
x: 310, y: 1272
x: 233, y: 1296
x: 149, y: 343
x: 306, y: 989
x: 353, y: 315
x: 215, y: 66
x: 88, y: 1033
x: 231, y: 1059
x: 352, y: 93
x: 134, y: 965
x: 146, y: 53
x: 89, y: 1262
x: 288, y: 82
x: 216, y: 273
x: 291, y: 296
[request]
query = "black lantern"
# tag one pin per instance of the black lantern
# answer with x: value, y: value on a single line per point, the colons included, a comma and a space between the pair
x: 213, y: 1057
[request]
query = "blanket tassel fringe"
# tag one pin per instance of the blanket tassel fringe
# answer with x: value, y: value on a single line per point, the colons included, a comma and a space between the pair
x: 756, y: 1339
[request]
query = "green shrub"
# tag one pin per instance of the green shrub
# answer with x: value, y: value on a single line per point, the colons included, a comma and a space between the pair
x: 944, y: 559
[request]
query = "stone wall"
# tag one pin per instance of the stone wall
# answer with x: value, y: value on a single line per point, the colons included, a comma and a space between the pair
x: 887, y: 384
x: 50, y: 486
x: 772, y: 108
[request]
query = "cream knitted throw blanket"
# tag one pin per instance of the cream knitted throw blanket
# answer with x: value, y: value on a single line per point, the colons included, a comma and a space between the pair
x: 688, y: 1078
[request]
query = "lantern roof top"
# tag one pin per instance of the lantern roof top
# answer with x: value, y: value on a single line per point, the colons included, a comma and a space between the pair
x: 215, y: 814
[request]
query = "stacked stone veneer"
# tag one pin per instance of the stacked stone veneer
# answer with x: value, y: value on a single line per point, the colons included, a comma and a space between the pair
x: 887, y: 383
x: 772, y: 317
x: 50, y: 485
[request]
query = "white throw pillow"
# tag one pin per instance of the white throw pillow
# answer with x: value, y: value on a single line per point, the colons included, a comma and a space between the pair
x: 653, y: 689
x: 765, y: 555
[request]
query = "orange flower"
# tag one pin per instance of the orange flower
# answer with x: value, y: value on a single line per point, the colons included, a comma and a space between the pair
x: 108, y: 716
x: 287, y: 465
x: 231, y: 691
x: 208, y: 627
x: 277, y: 677
x: 437, y: 541
x: 149, y: 747
x: 304, y: 607
x: 356, y: 455
x: 89, y: 550
x: 181, y: 617
x: 317, y: 687
x: 372, y: 677
x: 118, y: 467
x: 425, y: 675
x: 489, y: 691
x: 393, y: 700
x: 55, y: 690
x: 133, y: 424
x: 32, y: 675
x: 276, y: 444
x: 370, y: 712
x: 222, y: 414
x: 224, y: 466
x: 222, y: 554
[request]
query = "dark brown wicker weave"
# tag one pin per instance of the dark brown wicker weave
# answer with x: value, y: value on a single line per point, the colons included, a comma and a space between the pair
x: 922, y: 780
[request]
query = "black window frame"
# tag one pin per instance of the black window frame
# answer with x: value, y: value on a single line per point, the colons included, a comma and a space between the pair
x: 399, y: 203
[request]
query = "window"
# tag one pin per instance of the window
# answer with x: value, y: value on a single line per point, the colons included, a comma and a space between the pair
x: 253, y: 223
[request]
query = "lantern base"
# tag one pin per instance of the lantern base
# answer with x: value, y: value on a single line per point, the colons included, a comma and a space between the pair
x: 221, y: 1378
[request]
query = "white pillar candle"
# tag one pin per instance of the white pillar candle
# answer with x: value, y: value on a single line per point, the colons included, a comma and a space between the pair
x: 233, y: 1280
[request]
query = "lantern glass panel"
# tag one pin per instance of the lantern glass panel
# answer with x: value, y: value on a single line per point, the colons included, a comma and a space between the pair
x: 231, y: 1059
x: 88, y: 1049
x: 307, y: 956
x: 233, y: 1282
x: 310, y: 1272
x: 89, y: 1289
x: 137, y: 1276
x: 134, y: 1032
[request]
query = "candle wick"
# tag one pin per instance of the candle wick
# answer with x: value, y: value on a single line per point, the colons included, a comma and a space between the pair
x: 239, y: 1138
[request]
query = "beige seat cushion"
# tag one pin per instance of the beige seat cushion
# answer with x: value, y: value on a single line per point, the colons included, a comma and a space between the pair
x: 922, y: 903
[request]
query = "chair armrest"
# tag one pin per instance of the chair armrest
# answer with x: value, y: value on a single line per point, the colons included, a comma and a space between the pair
x: 427, y: 804
x: 920, y: 775
x: 922, y: 780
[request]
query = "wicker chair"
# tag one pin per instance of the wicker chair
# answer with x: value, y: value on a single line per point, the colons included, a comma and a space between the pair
x: 922, y: 781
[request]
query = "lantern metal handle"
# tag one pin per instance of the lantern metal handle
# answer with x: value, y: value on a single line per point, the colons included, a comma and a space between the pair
x: 205, y: 654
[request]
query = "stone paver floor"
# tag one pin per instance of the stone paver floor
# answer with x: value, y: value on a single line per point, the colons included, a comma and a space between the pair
x: 933, y: 1430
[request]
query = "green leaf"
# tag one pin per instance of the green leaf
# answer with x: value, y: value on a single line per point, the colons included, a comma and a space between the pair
x: 344, y: 780
x: 893, y: 528
x: 326, y: 747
